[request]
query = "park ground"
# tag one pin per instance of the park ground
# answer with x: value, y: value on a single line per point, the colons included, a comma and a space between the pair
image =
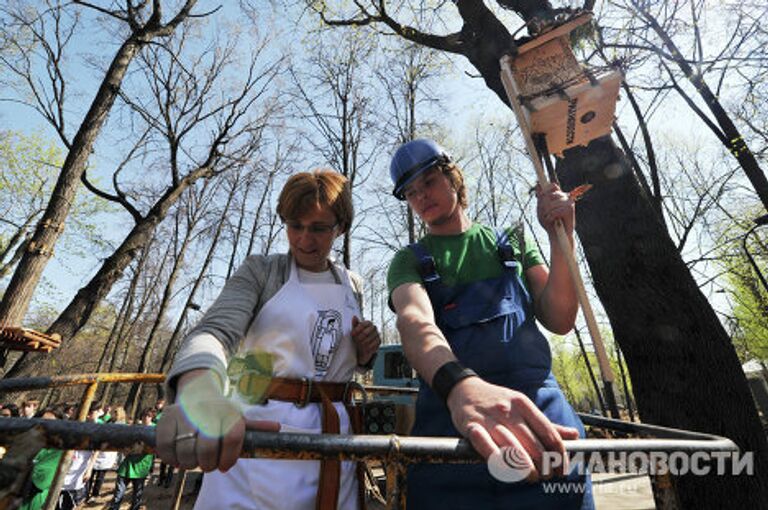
x: 612, y: 492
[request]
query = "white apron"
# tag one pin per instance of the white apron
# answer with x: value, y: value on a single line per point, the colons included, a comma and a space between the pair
x: 307, y: 330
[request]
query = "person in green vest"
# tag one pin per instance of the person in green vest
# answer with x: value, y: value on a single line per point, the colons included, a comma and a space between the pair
x: 43, y: 470
x: 107, y: 416
x: 105, y: 461
x: 165, y: 474
x: 135, y: 468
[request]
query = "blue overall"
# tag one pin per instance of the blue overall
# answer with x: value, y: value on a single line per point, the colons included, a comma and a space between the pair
x: 491, y: 329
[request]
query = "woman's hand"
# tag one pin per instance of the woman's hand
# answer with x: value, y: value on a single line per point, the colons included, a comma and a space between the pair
x: 203, y: 428
x: 366, y: 338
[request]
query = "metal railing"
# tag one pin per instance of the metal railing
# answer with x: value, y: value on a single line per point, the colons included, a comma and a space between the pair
x: 92, y: 382
x: 397, y: 452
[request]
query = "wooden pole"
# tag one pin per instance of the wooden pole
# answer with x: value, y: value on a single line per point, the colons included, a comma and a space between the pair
x: 66, y: 458
x: 179, y: 491
x: 606, y: 373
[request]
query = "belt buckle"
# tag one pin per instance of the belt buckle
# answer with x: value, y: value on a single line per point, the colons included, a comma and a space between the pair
x: 306, y: 382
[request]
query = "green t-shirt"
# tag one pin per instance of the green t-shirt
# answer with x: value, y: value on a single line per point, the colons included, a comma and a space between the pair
x: 136, y: 466
x: 44, y: 469
x: 462, y: 258
x: 37, y: 502
x: 45, y: 463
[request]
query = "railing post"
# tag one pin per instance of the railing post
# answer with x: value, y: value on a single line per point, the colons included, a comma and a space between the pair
x: 664, y: 493
x: 179, y: 488
x: 396, y: 484
x: 66, y: 458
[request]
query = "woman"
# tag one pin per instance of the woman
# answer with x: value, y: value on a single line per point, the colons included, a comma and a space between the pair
x: 105, y: 460
x: 298, y: 316
x: 43, y: 470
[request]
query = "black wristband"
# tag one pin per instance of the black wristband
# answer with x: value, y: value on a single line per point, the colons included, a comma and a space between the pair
x: 448, y: 376
x: 370, y: 363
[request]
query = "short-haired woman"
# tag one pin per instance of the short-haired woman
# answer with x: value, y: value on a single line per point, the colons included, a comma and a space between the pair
x: 288, y: 328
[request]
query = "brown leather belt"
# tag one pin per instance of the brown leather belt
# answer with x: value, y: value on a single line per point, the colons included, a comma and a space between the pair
x: 258, y: 388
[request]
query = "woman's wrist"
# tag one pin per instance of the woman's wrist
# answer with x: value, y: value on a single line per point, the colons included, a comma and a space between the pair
x: 204, y: 381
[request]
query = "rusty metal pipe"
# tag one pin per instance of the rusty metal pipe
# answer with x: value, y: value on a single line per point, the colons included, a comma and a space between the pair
x: 141, y: 439
x: 39, y: 383
x: 384, y: 390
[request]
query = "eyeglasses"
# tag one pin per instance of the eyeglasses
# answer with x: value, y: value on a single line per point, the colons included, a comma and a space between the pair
x: 314, y: 229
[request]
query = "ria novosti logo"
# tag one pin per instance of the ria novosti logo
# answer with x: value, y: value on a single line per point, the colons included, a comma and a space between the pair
x: 509, y: 464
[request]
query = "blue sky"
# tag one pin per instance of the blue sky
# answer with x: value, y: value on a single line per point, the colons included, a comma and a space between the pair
x: 465, y: 102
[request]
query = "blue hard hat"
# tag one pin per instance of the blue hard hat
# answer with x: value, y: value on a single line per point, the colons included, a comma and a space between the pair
x: 411, y: 159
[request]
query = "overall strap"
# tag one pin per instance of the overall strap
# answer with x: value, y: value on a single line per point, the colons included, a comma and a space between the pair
x: 504, y: 248
x: 427, y: 268
x: 507, y: 257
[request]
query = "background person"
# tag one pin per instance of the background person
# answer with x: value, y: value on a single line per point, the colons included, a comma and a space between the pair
x: 134, y: 469
x: 10, y: 410
x: 105, y: 460
x: 29, y: 408
x: 73, y: 490
x: 165, y: 471
x: 298, y: 316
x: 467, y: 299
x: 44, y: 467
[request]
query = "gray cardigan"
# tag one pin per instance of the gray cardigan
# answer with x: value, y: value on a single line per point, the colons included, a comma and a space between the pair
x: 217, y: 336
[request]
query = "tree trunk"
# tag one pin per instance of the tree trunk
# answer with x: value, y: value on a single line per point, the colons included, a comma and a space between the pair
x: 240, y: 220
x: 19, y: 241
x: 19, y: 292
x: 170, y: 347
x: 82, y: 305
x: 257, y: 214
x: 684, y: 369
x: 109, y: 348
x: 134, y: 394
x: 731, y: 136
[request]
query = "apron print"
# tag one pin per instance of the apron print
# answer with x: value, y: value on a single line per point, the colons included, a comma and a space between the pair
x: 326, y: 337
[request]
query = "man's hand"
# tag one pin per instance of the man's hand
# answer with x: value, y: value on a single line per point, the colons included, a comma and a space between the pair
x: 553, y: 204
x: 493, y: 417
x: 366, y: 338
x: 203, y: 428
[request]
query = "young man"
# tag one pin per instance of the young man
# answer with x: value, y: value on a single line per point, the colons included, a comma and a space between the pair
x: 466, y: 299
x: 134, y: 468
x: 29, y: 408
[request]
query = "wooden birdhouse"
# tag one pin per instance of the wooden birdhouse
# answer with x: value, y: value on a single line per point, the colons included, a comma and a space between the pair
x: 23, y: 339
x: 559, y: 98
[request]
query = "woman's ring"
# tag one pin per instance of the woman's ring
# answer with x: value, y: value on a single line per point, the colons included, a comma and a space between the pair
x: 188, y: 435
